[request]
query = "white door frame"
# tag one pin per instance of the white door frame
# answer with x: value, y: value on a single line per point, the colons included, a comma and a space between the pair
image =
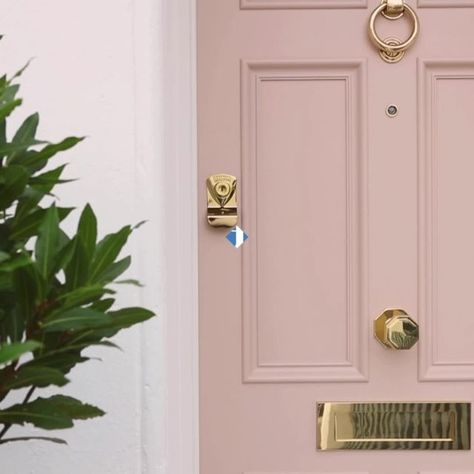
x: 178, y: 221
x: 180, y: 148
x: 166, y: 180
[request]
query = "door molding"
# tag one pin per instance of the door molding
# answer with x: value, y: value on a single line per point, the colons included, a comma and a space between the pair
x: 178, y: 51
x: 166, y: 182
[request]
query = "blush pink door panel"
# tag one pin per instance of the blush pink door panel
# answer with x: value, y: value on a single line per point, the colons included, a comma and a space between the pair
x: 304, y: 173
x: 348, y: 212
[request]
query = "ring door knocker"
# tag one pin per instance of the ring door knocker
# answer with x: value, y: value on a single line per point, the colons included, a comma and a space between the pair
x: 392, y: 49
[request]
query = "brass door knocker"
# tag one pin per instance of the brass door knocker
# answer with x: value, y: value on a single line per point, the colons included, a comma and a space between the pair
x: 392, y: 49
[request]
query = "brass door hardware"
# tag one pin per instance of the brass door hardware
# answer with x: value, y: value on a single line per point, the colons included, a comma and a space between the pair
x: 396, y: 330
x: 222, y: 200
x: 393, y: 425
x: 391, y: 49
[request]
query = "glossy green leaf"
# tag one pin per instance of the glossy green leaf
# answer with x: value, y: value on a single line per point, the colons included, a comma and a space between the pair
x: 84, y: 339
x: 19, y: 72
x: 65, y: 252
x: 74, y: 319
x: 127, y: 317
x: 87, y: 230
x: 30, y: 224
x: 5, y: 282
x: 77, y: 270
x: 129, y: 281
x: 16, y: 261
x: 15, y: 324
x: 103, y: 305
x: 13, y: 351
x: 47, y: 242
x: 38, y: 159
x: 9, y: 107
x: 27, y: 376
x: 114, y: 270
x: 46, y: 181
x: 8, y: 93
x: 13, y: 180
x: 76, y: 409
x: 63, y: 360
x: 83, y: 295
x: 29, y: 287
x: 27, y: 202
x: 107, y: 251
x: 13, y: 149
x: 56, y: 412
x: 27, y: 131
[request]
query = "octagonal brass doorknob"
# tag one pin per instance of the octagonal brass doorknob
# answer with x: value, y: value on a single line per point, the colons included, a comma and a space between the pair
x: 396, y: 330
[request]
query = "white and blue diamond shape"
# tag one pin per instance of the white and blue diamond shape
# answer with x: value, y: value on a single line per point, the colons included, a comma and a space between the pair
x: 237, y: 237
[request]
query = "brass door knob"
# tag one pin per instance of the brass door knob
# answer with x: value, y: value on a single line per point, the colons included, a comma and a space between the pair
x: 396, y: 330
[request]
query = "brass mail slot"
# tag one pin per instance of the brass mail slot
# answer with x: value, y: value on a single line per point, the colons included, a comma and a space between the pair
x: 393, y: 425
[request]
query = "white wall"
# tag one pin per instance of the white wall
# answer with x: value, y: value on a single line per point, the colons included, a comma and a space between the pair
x: 99, y: 70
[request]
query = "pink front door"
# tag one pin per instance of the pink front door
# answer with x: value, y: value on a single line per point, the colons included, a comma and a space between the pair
x: 349, y: 210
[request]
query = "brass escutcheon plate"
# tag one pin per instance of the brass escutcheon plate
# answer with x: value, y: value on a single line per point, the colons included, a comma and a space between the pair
x: 222, y: 200
x: 394, y: 425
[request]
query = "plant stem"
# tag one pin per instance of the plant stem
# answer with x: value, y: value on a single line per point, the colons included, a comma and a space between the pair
x: 7, y: 426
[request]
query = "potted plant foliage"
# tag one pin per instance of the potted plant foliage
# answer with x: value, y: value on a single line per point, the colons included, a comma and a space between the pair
x: 57, y: 295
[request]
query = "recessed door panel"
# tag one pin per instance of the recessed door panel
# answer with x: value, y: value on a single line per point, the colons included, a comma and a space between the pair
x: 289, y: 111
x: 447, y: 232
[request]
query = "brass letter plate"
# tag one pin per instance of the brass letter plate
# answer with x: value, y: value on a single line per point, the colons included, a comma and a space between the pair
x: 392, y: 425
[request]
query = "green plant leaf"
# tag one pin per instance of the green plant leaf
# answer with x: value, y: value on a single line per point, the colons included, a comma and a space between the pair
x: 49, y: 179
x: 84, y: 340
x: 63, y: 360
x: 27, y: 376
x: 9, y: 107
x: 127, y: 317
x: 101, y: 325
x: 137, y: 226
x: 114, y: 270
x: 27, y: 131
x: 8, y: 93
x: 87, y: 230
x: 103, y: 305
x: 75, y: 319
x: 28, y: 286
x: 16, y: 261
x: 75, y: 408
x: 107, y: 251
x: 13, y: 351
x: 27, y: 202
x: 6, y: 244
x: 12, y: 149
x: 5, y: 283
x: 37, y: 160
x: 56, y: 412
x: 13, y: 180
x: 19, y: 72
x: 29, y: 225
x: 14, y: 324
x: 83, y: 295
x: 3, y: 135
x: 129, y: 281
x: 77, y: 270
x: 53, y: 288
x: 65, y: 251
x: 47, y: 242
x: 33, y: 438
